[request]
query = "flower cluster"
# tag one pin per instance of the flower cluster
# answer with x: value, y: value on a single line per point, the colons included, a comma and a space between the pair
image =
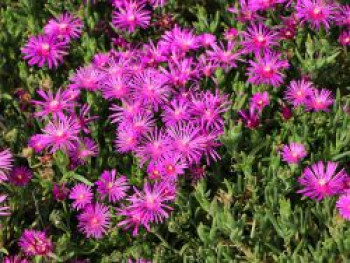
x: 51, y: 47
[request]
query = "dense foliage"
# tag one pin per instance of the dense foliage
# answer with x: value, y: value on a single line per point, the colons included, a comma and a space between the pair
x: 253, y: 169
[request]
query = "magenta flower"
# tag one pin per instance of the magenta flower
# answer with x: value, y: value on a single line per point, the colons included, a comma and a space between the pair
x: 320, y: 100
x: 157, y: 3
x: 132, y: 220
x: 266, y: 69
x: 82, y: 196
x: 180, y: 72
x: 43, y: 50
x: 115, y: 188
x: 83, y: 118
x: 224, y: 55
x: 4, y: 210
x: 127, y: 140
x: 259, y: 38
x: 231, y: 34
x: 60, y: 192
x: 344, y: 38
x: 38, y: 142
x: 86, y: 78
x: 64, y: 27
x: 151, y: 204
x: 250, y: 117
x: 60, y: 134
x: 187, y: 141
x: 207, y: 40
x: 293, y: 152
x: 15, y: 259
x: 20, y: 176
x: 298, y: 92
x: 206, y: 66
x: 316, y: 12
x: 260, y: 100
x: 246, y: 12
x: 116, y: 87
x: 131, y: 15
x: 6, y: 160
x: 83, y: 150
x: 343, y: 17
x: 343, y: 206
x: 35, y: 243
x: 141, y: 123
x: 52, y: 104
x: 261, y: 5
x: 127, y: 111
x: 171, y: 165
x: 176, y: 111
x: 94, y: 221
x: 320, y: 181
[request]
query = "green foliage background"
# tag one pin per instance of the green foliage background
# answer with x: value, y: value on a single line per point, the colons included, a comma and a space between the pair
x: 246, y: 210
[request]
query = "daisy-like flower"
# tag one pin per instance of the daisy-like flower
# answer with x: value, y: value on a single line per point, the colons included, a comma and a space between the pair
x: 38, y: 142
x: 293, y: 152
x: 4, y: 210
x: 206, y: 66
x: 141, y: 123
x: 82, y: 196
x: 115, y: 188
x: 83, y: 150
x: 42, y: 49
x: 20, y: 176
x: 127, y: 140
x: 250, y: 117
x: 6, y: 161
x: 53, y: 104
x: 231, y: 34
x: 15, y: 259
x: 186, y: 141
x: 171, y: 165
x: 180, y: 71
x: 260, y: 100
x: 207, y: 40
x: 126, y: 111
x: 176, y: 111
x: 344, y: 38
x: 94, y: 221
x: 35, y: 243
x: 259, y: 38
x: 151, y: 204
x: 157, y: 3
x: 298, y: 92
x: 224, y: 55
x: 261, y: 5
x: 64, y: 27
x: 132, y: 220
x: 116, y: 87
x: 343, y: 17
x: 150, y: 88
x: 60, y: 192
x: 343, y: 206
x: 86, y: 78
x: 246, y: 12
x: 60, y: 134
x: 319, y: 181
x: 316, y: 12
x: 83, y: 118
x: 131, y: 15
x: 266, y: 69
x: 320, y: 100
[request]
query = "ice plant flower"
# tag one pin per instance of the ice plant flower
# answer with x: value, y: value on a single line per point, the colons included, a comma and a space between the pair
x: 298, y: 92
x: 35, y: 243
x: 132, y: 220
x: 225, y: 55
x: 42, y: 49
x: 316, y: 12
x: 112, y: 187
x: 20, y: 176
x: 250, y: 117
x: 60, y: 134
x: 86, y: 78
x: 344, y: 38
x: 320, y: 181
x: 4, y: 210
x: 293, y: 152
x: 176, y: 111
x: 65, y: 26
x: 94, y: 220
x: 60, y: 192
x: 266, y: 69
x: 343, y: 17
x: 82, y: 196
x: 343, y: 206
x: 320, y: 100
x: 260, y: 100
x: 131, y: 15
x: 83, y: 150
x: 6, y: 160
x: 15, y: 259
x: 259, y: 38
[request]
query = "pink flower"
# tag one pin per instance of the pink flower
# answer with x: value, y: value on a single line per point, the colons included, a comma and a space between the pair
x: 60, y: 134
x: 6, y: 160
x: 60, y: 192
x: 43, y: 50
x: 83, y: 150
x: 293, y: 152
x: 343, y: 206
x: 4, y: 210
x: 171, y: 165
x: 343, y: 17
x: 20, y: 176
x: 246, y: 12
x: 259, y: 38
x: 132, y: 220
x: 266, y: 69
x: 86, y: 78
x: 250, y: 117
x: 64, y: 27
x: 94, y: 221
x: 260, y: 100
x: 176, y: 111
x: 116, y: 87
x: 316, y: 12
x: 320, y: 100
x: 115, y: 188
x: 298, y: 92
x: 224, y: 55
x: 130, y: 16
x: 344, y: 38
x: 320, y: 181
x: 15, y: 259
x: 35, y: 243
x: 82, y: 196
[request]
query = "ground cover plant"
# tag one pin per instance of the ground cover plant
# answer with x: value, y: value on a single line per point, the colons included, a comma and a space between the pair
x: 174, y: 131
